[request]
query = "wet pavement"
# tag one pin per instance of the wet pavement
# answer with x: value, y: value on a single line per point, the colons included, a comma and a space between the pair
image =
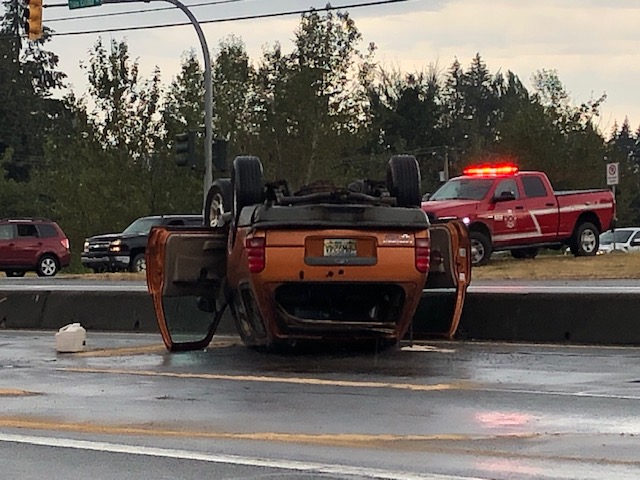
x: 429, y: 410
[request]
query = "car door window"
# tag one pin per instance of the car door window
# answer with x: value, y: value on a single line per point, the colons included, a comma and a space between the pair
x: 533, y: 186
x: 6, y: 232
x: 27, y: 230
x: 507, y: 186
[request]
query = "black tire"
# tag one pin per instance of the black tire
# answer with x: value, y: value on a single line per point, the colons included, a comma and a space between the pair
x: 14, y: 273
x: 586, y: 240
x: 403, y: 180
x: 138, y: 264
x: 48, y: 266
x: 522, y: 253
x: 218, y: 201
x: 480, y: 248
x: 246, y: 183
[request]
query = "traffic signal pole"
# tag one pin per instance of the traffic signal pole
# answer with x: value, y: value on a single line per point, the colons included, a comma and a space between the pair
x: 208, y: 90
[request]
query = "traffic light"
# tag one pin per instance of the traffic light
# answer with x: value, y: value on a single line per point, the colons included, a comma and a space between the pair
x: 33, y: 19
x: 185, y: 149
x: 220, y: 154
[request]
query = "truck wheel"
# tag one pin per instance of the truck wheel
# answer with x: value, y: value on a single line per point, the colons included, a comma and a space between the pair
x: 480, y: 248
x: 47, y: 266
x: 218, y: 201
x: 521, y: 253
x: 586, y: 240
x: 403, y: 180
x: 246, y: 183
x: 138, y: 264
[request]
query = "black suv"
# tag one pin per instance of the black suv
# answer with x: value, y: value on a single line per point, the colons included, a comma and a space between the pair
x: 125, y: 251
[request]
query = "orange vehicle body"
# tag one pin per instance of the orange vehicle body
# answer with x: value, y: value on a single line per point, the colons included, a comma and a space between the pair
x: 356, y: 290
x: 334, y: 266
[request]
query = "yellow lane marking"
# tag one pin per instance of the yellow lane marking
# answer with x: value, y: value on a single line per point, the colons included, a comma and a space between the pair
x: 346, y: 439
x: 289, y: 380
x: 114, y: 352
x: 14, y: 392
x: 479, y: 445
x: 142, y: 350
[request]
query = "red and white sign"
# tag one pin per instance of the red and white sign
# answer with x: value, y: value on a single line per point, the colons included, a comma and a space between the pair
x: 613, y: 176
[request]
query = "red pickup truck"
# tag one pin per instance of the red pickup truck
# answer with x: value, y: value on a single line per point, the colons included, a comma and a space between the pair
x: 508, y: 209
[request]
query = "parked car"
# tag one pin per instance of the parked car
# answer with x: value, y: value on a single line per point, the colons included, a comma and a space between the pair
x: 508, y: 209
x: 324, y: 264
x: 32, y: 244
x: 624, y: 239
x: 125, y: 251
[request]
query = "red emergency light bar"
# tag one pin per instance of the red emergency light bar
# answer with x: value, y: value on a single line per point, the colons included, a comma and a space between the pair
x: 491, y: 170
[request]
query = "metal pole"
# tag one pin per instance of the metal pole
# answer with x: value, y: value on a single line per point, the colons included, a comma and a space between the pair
x: 446, y: 164
x: 208, y: 91
x: 613, y: 228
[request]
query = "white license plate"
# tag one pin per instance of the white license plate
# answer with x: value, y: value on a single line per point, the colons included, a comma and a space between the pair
x: 340, y: 247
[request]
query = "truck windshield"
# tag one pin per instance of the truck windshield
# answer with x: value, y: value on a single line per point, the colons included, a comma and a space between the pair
x: 463, y: 189
x: 141, y: 226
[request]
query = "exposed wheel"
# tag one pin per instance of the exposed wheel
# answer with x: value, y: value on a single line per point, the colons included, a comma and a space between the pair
x: 14, y: 273
x: 246, y: 183
x: 521, y: 253
x: 218, y: 201
x: 47, y: 266
x: 138, y: 264
x: 403, y: 180
x: 480, y: 248
x: 586, y: 240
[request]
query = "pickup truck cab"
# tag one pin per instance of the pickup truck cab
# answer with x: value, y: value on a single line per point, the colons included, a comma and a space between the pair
x: 124, y: 251
x: 323, y: 264
x: 508, y: 209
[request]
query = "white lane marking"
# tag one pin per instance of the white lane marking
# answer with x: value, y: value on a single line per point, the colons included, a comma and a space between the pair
x: 323, y: 468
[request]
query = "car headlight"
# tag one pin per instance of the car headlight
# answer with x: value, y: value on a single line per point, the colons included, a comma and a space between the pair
x: 85, y: 247
x: 115, y: 246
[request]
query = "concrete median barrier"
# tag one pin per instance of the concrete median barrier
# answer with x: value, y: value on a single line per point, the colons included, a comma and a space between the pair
x: 22, y: 309
x: 610, y: 318
x: 522, y: 317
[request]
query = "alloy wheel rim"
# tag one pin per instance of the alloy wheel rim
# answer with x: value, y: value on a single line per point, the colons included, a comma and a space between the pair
x: 48, y: 267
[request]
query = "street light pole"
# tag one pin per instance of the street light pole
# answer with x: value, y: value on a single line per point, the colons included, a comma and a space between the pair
x: 208, y: 91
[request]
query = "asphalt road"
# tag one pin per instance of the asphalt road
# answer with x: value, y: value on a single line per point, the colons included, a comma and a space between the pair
x: 126, y: 408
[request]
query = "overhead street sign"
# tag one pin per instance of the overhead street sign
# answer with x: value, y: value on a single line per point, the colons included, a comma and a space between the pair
x: 613, y: 176
x: 83, y: 3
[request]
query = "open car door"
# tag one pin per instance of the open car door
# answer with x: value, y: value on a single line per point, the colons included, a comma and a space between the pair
x: 440, y: 307
x: 186, y: 276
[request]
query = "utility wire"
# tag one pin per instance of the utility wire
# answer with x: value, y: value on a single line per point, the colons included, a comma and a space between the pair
x: 132, y: 12
x: 328, y: 8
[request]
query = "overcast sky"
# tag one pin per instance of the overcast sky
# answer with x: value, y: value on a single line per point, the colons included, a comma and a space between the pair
x: 593, y: 44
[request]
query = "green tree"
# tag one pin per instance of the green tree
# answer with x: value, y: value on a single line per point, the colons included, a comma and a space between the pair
x: 405, y: 113
x: 310, y: 104
x: 233, y: 90
x: 28, y: 75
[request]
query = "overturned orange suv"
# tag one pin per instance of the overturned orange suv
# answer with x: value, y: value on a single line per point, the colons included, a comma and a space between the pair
x: 323, y: 264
